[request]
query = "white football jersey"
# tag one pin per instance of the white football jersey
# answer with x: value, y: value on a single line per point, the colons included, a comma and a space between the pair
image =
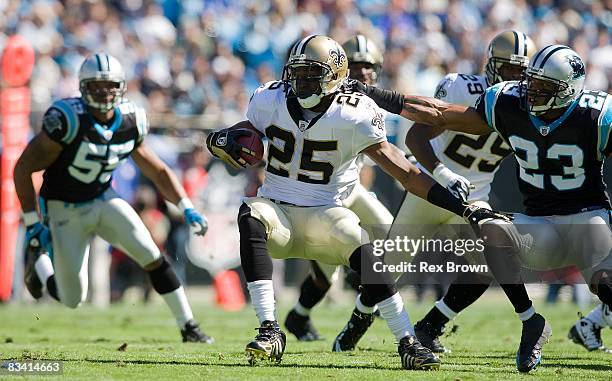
x: 313, y: 163
x: 476, y: 158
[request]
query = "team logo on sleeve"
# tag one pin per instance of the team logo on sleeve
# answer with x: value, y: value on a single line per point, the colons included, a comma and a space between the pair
x: 378, y: 121
x: 440, y: 90
x: 52, y: 121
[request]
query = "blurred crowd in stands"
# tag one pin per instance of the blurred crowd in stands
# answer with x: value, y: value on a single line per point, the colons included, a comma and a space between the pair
x: 196, y: 57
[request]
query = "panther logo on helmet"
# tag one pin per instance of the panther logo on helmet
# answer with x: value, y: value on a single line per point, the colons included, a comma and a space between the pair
x: 577, y: 66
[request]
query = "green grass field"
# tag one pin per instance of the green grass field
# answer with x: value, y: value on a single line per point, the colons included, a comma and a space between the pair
x: 87, y: 340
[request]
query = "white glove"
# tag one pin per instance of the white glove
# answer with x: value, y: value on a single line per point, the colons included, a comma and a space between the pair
x: 458, y: 185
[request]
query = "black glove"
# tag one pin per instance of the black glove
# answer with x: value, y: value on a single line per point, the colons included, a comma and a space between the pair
x: 222, y: 144
x: 476, y: 215
x: 391, y: 101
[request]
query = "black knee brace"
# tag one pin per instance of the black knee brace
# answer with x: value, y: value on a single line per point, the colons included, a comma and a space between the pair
x: 604, y: 288
x: 377, y: 286
x: 163, y: 278
x: 256, y: 263
x: 52, y: 287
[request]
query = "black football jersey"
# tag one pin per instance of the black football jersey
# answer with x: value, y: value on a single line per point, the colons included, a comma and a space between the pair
x: 559, y: 164
x: 91, y: 151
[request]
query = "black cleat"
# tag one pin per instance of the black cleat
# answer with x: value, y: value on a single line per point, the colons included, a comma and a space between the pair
x: 536, y: 332
x: 415, y: 356
x: 587, y: 334
x: 31, y: 279
x: 429, y: 336
x: 192, y: 333
x: 301, y: 327
x: 353, y: 331
x: 269, y: 344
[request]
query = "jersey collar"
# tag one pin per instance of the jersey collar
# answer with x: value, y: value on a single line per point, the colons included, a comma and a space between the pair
x: 107, y: 133
x: 546, y: 129
x: 296, y: 113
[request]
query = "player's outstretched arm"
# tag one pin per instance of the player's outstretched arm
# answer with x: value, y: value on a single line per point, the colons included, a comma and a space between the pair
x: 437, y: 113
x: 425, y: 110
x: 168, y: 184
x: 40, y: 153
x: 418, y: 141
x: 392, y: 160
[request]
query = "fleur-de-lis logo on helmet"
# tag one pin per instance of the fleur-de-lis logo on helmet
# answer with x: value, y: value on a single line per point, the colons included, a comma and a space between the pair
x: 577, y: 66
x: 338, y: 56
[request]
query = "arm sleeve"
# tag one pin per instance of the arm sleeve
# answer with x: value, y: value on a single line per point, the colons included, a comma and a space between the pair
x: 604, y: 127
x: 259, y: 108
x: 388, y: 100
x: 369, y: 129
x: 60, y: 123
x: 142, y: 124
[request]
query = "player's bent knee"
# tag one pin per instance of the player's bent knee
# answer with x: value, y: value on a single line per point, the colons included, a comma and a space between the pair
x: 497, y: 233
x: 153, y: 265
x: 163, y: 278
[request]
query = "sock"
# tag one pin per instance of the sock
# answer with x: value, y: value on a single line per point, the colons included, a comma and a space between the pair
x: 377, y: 286
x: 177, y: 301
x: 464, y: 291
x: 527, y: 314
x: 301, y: 310
x: 363, y: 308
x: 311, y: 293
x: 256, y: 263
x: 262, y: 298
x: 445, y: 312
x: 596, y: 316
x: 52, y: 288
x: 44, y: 268
x: 503, y: 263
x: 166, y: 283
x: 392, y: 310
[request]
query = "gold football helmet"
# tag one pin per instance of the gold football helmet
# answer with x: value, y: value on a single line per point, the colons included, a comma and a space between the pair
x: 508, y: 56
x: 316, y: 67
x: 364, y: 57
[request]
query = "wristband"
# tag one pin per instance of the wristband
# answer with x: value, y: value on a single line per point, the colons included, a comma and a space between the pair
x: 185, y: 203
x: 30, y: 218
x: 442, y: 174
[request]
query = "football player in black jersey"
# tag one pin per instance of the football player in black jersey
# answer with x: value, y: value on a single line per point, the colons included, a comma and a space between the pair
x: 81, y: 143
x: 560, y: 135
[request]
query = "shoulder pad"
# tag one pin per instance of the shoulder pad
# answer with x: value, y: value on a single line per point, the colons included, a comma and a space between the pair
x: 70, y: 109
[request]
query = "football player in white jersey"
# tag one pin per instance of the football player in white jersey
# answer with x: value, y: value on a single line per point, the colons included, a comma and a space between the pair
x: 81, y: 143
x: 464, y: 164
x: 365, y: 63
x: 316, y: 133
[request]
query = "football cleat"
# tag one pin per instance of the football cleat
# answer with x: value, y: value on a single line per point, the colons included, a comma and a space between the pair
x: 429, y: 335
x: 269, y: 344
x: 587, y: 334
x: 301, y: 327
x: 536, y: 332
x: 31, y: 279
x: 192, y: 333
x: 415, y: 356
x: 353, y: 331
